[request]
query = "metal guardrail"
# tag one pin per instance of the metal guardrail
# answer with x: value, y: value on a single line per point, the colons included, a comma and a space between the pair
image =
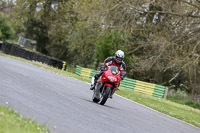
x: 135, y: 85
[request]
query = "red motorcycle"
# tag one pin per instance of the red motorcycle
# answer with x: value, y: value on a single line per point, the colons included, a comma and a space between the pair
x: 106, y: 85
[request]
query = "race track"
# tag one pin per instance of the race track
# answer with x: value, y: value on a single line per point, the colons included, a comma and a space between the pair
x: 64, y: 104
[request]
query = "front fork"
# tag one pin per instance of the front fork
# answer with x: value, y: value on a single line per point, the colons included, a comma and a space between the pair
x: 97, y: 88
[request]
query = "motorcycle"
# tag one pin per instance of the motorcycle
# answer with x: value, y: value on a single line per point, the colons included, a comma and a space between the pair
x: 106, y: 85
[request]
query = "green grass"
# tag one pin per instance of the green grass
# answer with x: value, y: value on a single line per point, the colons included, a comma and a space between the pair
x: 184, y: 101
x: 11, y: 122
x: 182, y: 112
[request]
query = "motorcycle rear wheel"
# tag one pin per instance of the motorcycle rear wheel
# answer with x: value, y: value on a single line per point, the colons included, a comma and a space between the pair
x: 105, y: 95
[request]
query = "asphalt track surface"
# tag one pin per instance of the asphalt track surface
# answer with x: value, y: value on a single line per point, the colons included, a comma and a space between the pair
x: 64, y: 104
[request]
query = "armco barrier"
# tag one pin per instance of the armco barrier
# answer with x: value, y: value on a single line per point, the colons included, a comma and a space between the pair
x: 16, y: 50
x: 135, y: 85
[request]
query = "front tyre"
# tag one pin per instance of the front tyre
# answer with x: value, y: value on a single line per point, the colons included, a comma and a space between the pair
x: 94, y: 99
x: 105, y: 95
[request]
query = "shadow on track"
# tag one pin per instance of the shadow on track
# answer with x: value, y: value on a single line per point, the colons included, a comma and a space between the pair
x: 100, y: 104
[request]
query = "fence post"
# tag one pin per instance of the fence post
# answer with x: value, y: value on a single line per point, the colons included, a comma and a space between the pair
x: 64, y: 66
x: 166, y: 92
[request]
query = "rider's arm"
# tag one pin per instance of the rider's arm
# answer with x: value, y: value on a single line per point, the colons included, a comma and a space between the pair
x: 123, y: 70
x: 108, y: 61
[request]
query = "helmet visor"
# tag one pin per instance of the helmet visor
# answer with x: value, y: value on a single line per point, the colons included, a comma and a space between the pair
x: 119, y: 59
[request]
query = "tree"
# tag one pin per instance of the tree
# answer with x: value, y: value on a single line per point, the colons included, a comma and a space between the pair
x: 161, y: 38
x: 6, y: 29
x: 108, y: 44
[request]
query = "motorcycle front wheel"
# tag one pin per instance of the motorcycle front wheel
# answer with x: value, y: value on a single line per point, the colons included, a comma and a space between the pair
x: 94, y: 99
x: 105, y: 94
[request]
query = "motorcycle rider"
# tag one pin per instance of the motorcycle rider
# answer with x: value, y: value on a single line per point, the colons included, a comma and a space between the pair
x: 116, y: 60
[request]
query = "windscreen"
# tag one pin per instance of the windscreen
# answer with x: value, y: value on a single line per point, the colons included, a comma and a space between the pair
x: 114, y: 70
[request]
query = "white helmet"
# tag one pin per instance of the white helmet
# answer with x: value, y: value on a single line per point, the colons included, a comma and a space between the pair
x: 119, y: 56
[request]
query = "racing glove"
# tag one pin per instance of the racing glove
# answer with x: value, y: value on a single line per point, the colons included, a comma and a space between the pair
x: 123, y: 75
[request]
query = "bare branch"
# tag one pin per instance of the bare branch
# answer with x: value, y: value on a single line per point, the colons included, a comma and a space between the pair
x: 191, y: 4
x: 136, y: 49
x: 174, y: 14
x: 162, y: 12
x: 173, y: 78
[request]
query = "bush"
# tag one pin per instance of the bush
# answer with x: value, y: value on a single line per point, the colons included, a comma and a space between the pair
x: 108, y: 44
x: 184, y: 101
x: 6, y: 29
x: 179, y: 93
x: 192, y: 104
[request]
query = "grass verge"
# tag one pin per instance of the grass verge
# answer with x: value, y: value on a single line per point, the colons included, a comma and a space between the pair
x: 184, y: 101
x: 11, y: 122
x: 182, y: 112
